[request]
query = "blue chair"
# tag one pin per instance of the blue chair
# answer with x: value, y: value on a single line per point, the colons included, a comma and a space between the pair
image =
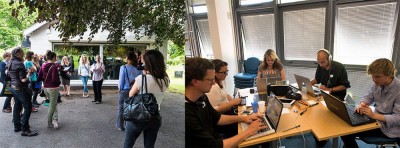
x: 383, y: 142
x: 247, y: 78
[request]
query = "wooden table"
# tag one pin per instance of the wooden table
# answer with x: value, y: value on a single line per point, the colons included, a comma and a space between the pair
x: 318, y: 119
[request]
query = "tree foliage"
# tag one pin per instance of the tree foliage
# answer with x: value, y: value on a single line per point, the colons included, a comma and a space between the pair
x: 162, y: 19
x: 11, y: 27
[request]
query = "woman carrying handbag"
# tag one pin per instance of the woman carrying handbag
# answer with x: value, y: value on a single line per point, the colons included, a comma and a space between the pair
x: 157, y: 83
x: 51, y: 81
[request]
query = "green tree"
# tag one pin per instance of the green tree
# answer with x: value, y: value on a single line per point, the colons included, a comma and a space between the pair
x: 11, y: 27
x: 162, y: 19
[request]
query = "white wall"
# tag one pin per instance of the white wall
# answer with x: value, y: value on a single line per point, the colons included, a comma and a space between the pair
x: 222, y: 37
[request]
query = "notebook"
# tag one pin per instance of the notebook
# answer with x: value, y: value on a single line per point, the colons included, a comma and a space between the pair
x: 344, y: 111
x: 310, y: 90
x: 271, y: 119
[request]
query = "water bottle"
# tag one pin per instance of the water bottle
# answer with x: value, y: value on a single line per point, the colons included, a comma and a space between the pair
x: 304, y: 92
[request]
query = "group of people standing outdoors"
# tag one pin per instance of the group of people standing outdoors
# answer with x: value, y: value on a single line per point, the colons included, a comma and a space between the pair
x: 208, y: 106
x: 52, y: 74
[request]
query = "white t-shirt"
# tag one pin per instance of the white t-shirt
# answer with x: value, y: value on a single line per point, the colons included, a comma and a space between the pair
x: 152, y: 87
x: 217, y: 96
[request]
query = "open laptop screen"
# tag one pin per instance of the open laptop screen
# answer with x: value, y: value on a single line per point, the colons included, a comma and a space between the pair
x: 274, y: 111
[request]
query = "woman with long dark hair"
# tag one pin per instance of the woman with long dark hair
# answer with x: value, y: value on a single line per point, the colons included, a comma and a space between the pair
x: 157, y: 83
x: 127, y: 73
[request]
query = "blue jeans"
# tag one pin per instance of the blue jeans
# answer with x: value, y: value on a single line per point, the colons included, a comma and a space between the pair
x: 7, y: 103
x: 84, y: 81
x: 22, y: 98
x: 150, y: 131
x: 121, y: 97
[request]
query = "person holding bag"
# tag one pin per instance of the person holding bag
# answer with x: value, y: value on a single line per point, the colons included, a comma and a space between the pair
x: 156, y: 81
x: 7, y: 103
x: 49, y: 74
x: 127, y: 73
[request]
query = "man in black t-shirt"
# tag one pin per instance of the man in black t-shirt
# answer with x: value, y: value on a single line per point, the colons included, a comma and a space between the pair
x: 331, y: 75
x: 201, y: 118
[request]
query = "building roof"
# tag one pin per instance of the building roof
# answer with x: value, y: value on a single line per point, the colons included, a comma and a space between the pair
x: 29, y: 30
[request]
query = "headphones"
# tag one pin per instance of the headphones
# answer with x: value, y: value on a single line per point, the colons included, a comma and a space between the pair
x: 327, y: 52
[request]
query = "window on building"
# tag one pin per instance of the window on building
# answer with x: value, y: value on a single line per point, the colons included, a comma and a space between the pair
x: 204, y: 38
x: 258, y: 34
x: 74, y: 53
x: 364, y: 33
x: 304, y: 32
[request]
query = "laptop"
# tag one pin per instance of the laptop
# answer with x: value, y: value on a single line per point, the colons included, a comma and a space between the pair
x: 261, y: 85
x: 271, y: 119
x: 310, y: 90
x: 345, y: 111
x: 273, y: 80
x: 350, y: 101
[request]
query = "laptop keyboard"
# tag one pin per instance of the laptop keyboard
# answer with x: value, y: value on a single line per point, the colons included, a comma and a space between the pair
x: 261, y: 132
x: 356, y: 118
x: 264, y: 122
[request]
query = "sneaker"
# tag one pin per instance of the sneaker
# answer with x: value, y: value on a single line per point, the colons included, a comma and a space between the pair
x: 55, y: 124
x: 17, y: 130
x: 120, y: 129
x: 29, y: 133
x: 7, y: 110
x: 98, y: 102
x: 94, y: 101
x: 50, y: 125
x: 34, y: 109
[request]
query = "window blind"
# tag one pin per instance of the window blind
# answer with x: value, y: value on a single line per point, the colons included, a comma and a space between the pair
x: 204, y: 38
x: 364, y: 33
x: 258, y: 35
x: 304, y: 32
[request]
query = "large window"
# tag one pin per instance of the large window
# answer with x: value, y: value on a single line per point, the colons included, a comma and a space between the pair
x: 258, y: 34
x: 74, y: 53
x: 304, y: 32
x: 204, y: 38
x: 364, y: 33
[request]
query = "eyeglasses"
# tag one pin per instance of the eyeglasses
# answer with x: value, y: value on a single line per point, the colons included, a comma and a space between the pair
x: 211, y: 80
x: 224, y: 72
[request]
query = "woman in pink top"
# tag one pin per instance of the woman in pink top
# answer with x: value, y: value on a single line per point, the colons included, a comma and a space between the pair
x: 51, y: 81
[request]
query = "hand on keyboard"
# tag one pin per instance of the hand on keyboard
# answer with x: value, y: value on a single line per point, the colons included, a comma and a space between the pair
x: 256, y: 126
x: 251, y: 118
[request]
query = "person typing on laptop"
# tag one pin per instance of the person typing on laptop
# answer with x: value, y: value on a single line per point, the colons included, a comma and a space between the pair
x: 331, y: 74
x: 222, y: 101
x: 385, y: 93
x: 201, y: 118
x: 271, y: 66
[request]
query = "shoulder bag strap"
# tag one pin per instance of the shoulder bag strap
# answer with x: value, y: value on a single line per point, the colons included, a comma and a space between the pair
x: 48, y: 73
x: 144, y: 83
x: 126, y: 71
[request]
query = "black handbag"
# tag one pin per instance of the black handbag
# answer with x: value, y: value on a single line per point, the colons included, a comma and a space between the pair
x: 6, y: 87
x: 141, y: 107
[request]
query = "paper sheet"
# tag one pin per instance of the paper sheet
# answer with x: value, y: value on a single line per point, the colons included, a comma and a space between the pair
x: 285, y: 111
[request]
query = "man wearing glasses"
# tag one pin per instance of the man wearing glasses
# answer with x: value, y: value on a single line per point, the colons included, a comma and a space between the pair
x: 200, y: 117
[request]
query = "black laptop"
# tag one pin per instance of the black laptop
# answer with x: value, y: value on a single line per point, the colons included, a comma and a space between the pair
x: 344, y: 111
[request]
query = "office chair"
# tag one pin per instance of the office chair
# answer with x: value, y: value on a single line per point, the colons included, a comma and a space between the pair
x: 247, y: 78
x: 383, y: 142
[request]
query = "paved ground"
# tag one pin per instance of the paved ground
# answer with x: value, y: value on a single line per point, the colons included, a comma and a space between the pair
x: 85, y: 124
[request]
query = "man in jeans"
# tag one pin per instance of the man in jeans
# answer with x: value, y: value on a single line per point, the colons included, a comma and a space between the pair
x: 7, y: 103
x: 22, y: 96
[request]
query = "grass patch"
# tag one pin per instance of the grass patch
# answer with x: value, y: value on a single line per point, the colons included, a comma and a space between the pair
x: 177, y: 85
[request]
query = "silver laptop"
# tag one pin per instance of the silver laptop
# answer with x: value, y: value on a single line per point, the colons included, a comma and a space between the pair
x: 349, y: 100
x: 310, y: 90
x: 273, y: 80
x: 271, y: 118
